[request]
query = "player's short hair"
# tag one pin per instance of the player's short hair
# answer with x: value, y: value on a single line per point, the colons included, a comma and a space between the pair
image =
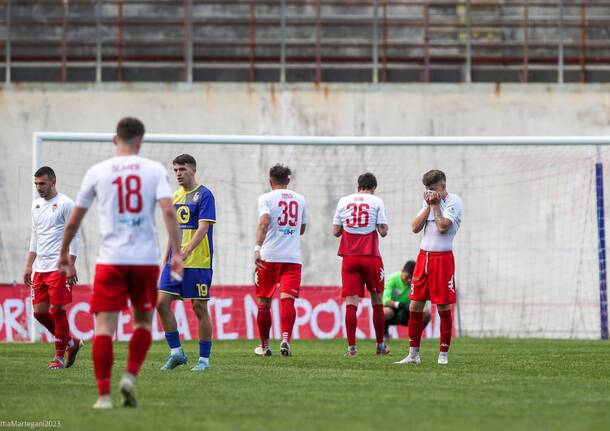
x: 185, y: 159
x: 409, y: 267
x: 280, y: 174
x: 129, y: 128
x: 433, y: 177
x: 45, y: 170
x: 367, y: 181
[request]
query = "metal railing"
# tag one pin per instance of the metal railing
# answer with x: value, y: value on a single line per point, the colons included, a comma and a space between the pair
x: 310, y: 40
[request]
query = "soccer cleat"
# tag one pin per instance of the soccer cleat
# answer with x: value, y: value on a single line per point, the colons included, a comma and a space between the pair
x: 104, y: 402
x: 201, y: 366
x: 285, y: 348
x: 260, y: 351
x: 410, y: 360
x: 382, y: 349
x: 351, y: 352
x: 173, y: 361
x: 72, y: 351
x: 443, y: 358
x: 127, y: 386
x: 57, y: 364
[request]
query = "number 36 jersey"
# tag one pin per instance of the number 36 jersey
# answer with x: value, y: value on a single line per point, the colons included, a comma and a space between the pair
x: 127, y: 189
x: 287, y: 212
x: 359, y: 214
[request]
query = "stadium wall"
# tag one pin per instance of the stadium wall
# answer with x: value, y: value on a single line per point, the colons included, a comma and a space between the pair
x: 303, y: 109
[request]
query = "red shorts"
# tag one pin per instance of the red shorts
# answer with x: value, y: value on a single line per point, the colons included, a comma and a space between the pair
x: 358, y: 271
x: 50, y: 287
x: 286, y: 275
x: 114, y: 284
x: 433, y: 277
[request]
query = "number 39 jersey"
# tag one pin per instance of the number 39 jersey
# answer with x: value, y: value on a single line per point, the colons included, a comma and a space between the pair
x: 359, y: 214
x: 287, y: 212
x: 127, y: 189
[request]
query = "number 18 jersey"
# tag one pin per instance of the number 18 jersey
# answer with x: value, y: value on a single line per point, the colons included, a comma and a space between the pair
x: 359, y: 214
x: 127, y: 189
x: 287, y: 212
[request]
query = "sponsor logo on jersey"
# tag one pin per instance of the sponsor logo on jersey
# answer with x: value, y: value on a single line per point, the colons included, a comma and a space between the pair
x: 131, y: 221
x: 287, y: 231
x: 183, y: 214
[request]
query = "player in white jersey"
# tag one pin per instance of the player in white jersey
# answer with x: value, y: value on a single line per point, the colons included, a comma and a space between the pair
x: 277, y: 256
x: 434, y: 274
x: 51, y: 290
x: 127, y: 188
x: 358, y: 219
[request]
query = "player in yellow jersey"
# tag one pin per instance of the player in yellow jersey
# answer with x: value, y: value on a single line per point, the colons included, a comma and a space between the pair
x: 196, y: 215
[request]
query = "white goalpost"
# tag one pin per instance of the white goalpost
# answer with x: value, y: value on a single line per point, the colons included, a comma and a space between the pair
x: 530, y: 254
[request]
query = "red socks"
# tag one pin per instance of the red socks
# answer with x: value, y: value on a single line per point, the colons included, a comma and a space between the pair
x: 62, y: 331
x: 287, y: 316
x: 263, y: 318
x: 416, y: 326
x: 351, y: 323
x: 446, y: 323
x: 46, y: 320
x: 378, y: 322
x: 138, y: 347
x: 102, y: 362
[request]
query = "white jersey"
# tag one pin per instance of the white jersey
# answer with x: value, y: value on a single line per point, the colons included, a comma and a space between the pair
x: 433, y: 240
x: 127, y: 189
x: 48, y: 220
x: 359, y: 214
x: 287, y: 212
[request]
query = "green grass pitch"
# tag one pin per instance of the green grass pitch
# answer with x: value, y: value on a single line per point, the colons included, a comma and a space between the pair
x: 489, y: 384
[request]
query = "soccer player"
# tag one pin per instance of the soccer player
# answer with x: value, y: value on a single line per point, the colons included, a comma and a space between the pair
x: 196, y: 213
x: 127, y: 188
x: 433, y: 279
x: 396, y: 298
x: 277, y: 256
x: 358, y: 219
x: 49, y: 287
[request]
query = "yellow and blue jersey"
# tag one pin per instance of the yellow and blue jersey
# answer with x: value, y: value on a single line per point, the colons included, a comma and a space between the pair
x: 191, y: 207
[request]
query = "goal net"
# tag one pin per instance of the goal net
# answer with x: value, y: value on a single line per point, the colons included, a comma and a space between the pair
x: 526, y: 253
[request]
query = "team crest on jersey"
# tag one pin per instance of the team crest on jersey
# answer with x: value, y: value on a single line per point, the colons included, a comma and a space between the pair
x: 196, y: 197
x: 54, y: 207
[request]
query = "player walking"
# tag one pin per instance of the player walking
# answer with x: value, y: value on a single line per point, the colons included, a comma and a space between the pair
x: 196, y: 213
x: 433, y: 278
x: 358, y: 219
x: 127, y: 188
x: 277, y: 256
x: 50, y: 287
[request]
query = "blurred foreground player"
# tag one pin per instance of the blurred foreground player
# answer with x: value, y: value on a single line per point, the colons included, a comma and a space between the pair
x: 51, y: 290
x: 127, y: 188
x: 358, y: 219
x: 433, y: 278
x: 277, y: 256
x: 196, y: 213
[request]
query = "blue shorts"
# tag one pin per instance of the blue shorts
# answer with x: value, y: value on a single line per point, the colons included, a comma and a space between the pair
x: 195, y: 284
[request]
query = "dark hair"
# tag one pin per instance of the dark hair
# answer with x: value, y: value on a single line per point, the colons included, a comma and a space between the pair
x: 367, y: 181
x: 45, y: 170
x: 185, y: 159
x: 129, y: 128
x: 280, y: 174
x: 409, y: 267
x: 433, y: 177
